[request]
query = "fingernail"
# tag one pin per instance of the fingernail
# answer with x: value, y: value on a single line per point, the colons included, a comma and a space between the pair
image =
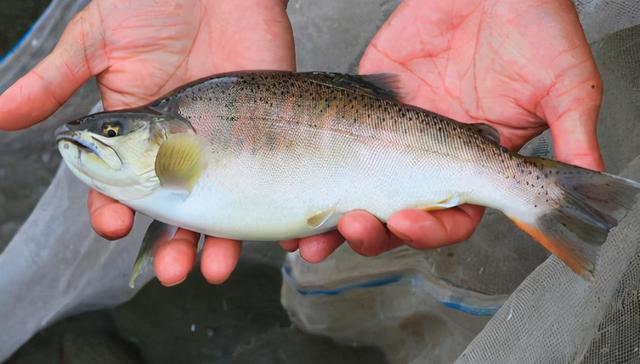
x: 173, y: 284
x: 215, y: 282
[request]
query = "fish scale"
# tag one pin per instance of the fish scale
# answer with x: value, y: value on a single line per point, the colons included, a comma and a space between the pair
x: 341, y: 118
x: 279, y: 155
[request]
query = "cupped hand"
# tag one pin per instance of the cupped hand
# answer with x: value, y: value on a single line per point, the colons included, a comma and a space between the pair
x: 139, y: 51
x: 519, y: 66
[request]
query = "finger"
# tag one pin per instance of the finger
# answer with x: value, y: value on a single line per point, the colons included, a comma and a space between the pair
x: 109, y: 218
x: 365, y: 234
x: 173, y: 260
x: 290, y: 245
x: 572, y: 104
x: 427, y: 230
x: 269, y: 43
x: 575, y: 139
x: 74, y: 60
x: 219, y: 259
x: 317, y: 248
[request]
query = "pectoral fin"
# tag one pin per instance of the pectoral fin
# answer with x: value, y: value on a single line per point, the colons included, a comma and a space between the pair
x: 157, y: 232
x: 180, y: 161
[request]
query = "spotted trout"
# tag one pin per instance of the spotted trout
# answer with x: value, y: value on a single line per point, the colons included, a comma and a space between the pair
x: 279, y: 155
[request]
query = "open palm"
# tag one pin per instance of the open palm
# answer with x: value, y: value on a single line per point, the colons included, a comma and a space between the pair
x: 140, y: 50
x: 520, y: 66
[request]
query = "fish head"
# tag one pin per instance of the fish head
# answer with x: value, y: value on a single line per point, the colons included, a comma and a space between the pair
x: 114, y: 152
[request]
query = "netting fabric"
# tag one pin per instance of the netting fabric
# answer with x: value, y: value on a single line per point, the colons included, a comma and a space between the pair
x: 553, y: 317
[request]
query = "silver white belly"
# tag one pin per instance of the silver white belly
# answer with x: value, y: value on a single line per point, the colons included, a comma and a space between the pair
x: 252, y: 198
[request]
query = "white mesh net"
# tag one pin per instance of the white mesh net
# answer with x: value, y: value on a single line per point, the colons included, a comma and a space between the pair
x: 600, y: 18
x: 554, y: 317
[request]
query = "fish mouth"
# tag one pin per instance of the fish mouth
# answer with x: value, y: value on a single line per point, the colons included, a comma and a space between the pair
x: 85, y: 142
x: 64, y: 133
x: 78, y: 142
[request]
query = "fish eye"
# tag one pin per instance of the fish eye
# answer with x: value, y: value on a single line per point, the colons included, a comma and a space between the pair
x: 111, y: 129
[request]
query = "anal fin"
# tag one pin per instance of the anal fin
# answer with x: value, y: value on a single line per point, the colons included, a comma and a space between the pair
x: 581, y: 262
x: 157, y: 232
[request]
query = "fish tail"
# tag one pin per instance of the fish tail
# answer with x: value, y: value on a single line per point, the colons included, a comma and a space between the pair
x: 577, y: 223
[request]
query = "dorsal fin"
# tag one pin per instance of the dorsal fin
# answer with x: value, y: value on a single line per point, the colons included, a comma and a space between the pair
x: 538, y: 147
x: 384, y: 85
x: 487, y: 131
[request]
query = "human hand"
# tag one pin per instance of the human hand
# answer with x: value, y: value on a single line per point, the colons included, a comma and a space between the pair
x: 520, y: 66
x: 139, y: 51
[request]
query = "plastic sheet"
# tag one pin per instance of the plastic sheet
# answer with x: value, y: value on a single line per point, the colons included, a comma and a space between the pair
x: 27, y: 157
x: 56, y: 265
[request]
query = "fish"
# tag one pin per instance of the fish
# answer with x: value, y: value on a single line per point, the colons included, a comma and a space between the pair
x: 269, y: 155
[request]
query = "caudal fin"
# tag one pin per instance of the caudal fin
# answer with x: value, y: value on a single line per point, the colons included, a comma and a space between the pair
x: 591, y: 205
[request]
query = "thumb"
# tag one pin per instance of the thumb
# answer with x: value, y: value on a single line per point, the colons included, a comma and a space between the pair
x: 575, y: 140
x: 572, y: 118
x: 75, y: 59
x: 572, y: 104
